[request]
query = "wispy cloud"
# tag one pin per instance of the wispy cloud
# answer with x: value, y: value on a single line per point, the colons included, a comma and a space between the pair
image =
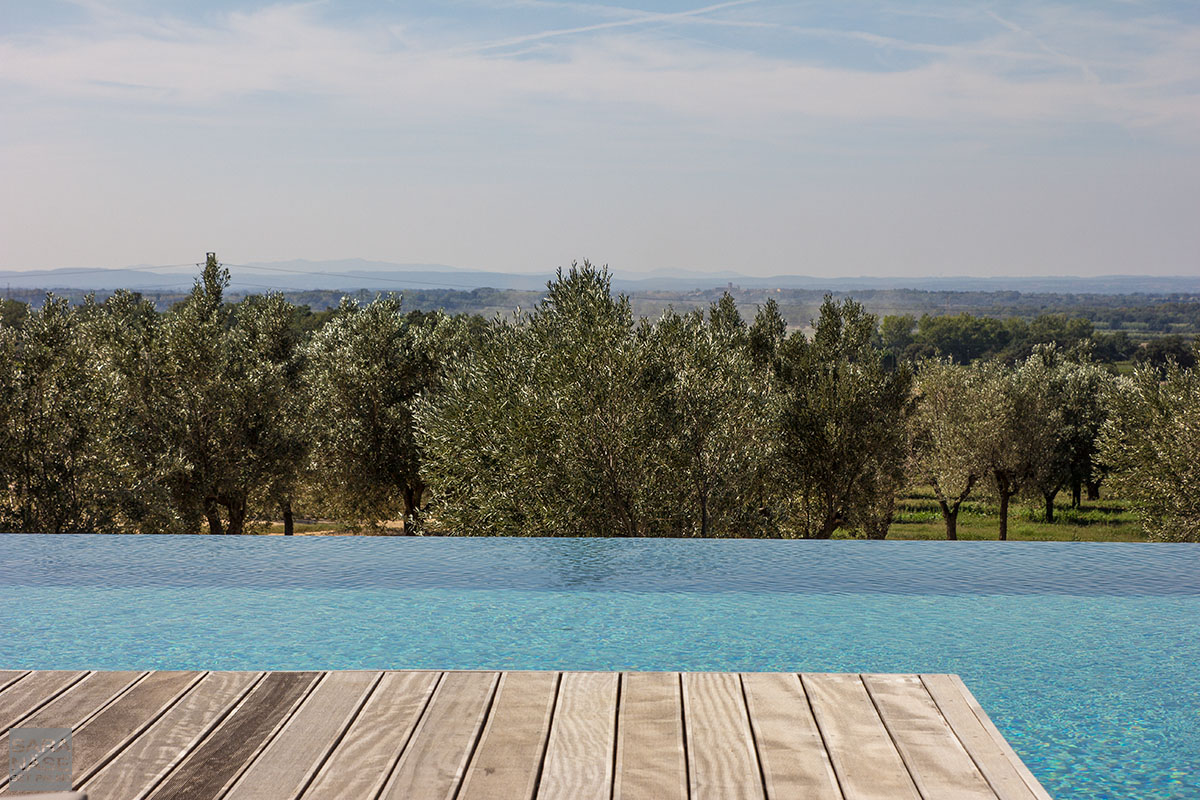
x: 615, y: 63
x: 1063, y: 57
x: 861, y: 132
x: 632, y: 18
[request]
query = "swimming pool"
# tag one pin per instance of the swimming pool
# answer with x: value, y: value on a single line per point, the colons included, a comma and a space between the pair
x: 1085, y: 655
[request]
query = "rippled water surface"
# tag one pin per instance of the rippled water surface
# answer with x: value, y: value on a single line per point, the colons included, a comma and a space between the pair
x: 1085, y: 655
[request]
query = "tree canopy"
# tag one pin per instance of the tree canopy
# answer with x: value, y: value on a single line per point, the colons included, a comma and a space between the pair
x: 1151, y: 444
x: 576, y: 417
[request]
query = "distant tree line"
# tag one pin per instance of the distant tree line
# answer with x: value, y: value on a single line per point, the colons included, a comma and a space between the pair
x: 573, y: 418
x: 1139, y: 316
x: 965, y: 338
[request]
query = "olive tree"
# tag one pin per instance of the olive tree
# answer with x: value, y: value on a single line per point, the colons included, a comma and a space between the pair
x: 267, y: 443
x: 202, y: 392
x: 1151, y: 441
x: 542, y: 428
x: 577, y: 420
x: 54, y: 476
x: 1023, y: 433
x: 950, y: 424
x: 1075, y: 388
x: 712, y: 419
x: 766, y: 335
x: 13, y: 313
x: 139, y: 423
x: 841, y: 422
x: 365, y: 371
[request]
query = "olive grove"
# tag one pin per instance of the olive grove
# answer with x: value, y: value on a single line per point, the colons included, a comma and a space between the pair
x: 574, y: 417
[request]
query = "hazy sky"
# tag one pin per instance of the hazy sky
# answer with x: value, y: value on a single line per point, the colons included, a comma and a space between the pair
x: 827, y: 137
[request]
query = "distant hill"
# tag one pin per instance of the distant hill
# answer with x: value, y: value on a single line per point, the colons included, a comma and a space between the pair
x: 347, y: 275
x: 355, y: 274
x: 1065, y: 284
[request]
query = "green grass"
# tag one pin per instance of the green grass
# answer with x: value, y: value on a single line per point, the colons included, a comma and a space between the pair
x: 919, y: 517
x: 1108, y: 520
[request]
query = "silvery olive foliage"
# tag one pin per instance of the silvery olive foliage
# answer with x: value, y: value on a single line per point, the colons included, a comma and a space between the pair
x: 53, y: 472
x: 365, y: 372
x: 541, y: 429
x: 711, y: 425
x: 1151, y: 444
x: 202, y: 427
x: 1025, y: 420
x: 950, y: 428
x: 1030, y: 428
x: 841, y: 426
x: 575, y: 420
x: 1075, y: 389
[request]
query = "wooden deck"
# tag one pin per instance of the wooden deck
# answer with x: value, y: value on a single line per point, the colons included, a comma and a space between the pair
x: 513, y: 735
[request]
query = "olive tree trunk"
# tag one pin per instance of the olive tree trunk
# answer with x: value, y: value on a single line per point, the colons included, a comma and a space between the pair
x: 237, y: 516
x: 213, y: 513
x: 1005, y: 490
x: 950, y: 516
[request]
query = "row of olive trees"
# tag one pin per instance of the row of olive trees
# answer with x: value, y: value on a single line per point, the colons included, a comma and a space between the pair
x: 1032, y: 429
x: 116, y: 418
x: 576, y: 419
x: 572, y: 419
x: 1054, y: 423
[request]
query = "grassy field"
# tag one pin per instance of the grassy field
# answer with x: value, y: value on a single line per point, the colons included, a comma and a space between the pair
x: 1105, y: 520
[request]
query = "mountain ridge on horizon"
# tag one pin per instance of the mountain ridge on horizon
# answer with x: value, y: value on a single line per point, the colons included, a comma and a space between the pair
x: 356, y: 273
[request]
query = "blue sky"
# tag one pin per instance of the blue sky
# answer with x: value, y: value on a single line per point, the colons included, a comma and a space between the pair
x: 828, y: 138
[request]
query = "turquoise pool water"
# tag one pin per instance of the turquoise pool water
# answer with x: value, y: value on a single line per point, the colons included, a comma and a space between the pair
x: 1087, y: 656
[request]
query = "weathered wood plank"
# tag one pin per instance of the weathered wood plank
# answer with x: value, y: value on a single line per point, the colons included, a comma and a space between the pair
x: 790, y: 749
x: 142, y: 763
x: 1000, y: 773
x: 31, y: 693
x: 286, y: 766
x: 1008, y: 776
x: 77, y: 705
x: 722, y: 761
x: 1034, y: 784
x: 10, y: 676
x: 513, y: 741
x: 651, y: 760
x: 721, y: 756
x: 867, y: 764
x: 936, y: 760
x: 520, y: 735
x: 361, y: 762
x: 581, y: 748
x: 81, y: 701
x: 107, y: 732
x: 433, y: 763
x: 220, y: 758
